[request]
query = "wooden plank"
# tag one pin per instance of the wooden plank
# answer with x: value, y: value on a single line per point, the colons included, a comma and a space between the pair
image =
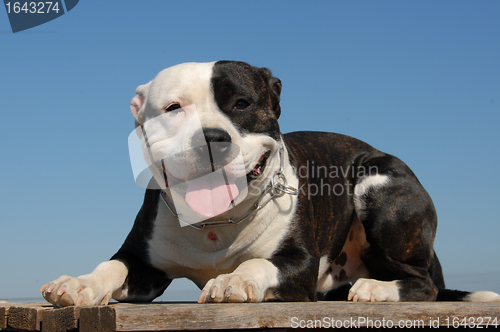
x: 98, y: 319
x: 26, y: 316
x: 182, y: 316
x: 5, y: 308
x: 193, y: 316
x: 3, y: 317
x: 60, y: 320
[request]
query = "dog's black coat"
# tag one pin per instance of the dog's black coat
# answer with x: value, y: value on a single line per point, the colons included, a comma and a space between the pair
x: 400, y: 216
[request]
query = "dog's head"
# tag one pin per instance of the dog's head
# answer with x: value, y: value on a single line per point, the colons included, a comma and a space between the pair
x: 210, y: 131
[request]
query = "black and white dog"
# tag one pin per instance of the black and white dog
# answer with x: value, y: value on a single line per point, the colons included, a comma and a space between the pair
x: 319, y: 211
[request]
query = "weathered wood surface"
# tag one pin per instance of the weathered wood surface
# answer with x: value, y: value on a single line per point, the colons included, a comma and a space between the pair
x: 3, y: 317
x: 61, y: 319
x: 192, y: 316
x: 22, y: 316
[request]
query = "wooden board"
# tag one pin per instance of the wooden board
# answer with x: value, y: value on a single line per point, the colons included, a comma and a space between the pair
x: 99, y: 319
x: 61, y: 319
x: 193, y: 316
x: 25, y: 316
x: 3, y: 317
x: 162, y: 317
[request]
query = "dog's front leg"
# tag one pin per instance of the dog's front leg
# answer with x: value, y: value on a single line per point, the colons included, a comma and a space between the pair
x: 96, y: 288
x: 250, y: 282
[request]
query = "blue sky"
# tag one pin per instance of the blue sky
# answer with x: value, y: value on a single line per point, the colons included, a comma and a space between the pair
x: 417, y: 79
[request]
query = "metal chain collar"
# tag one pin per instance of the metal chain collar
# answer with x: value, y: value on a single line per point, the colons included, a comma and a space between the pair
x: 277, y: 188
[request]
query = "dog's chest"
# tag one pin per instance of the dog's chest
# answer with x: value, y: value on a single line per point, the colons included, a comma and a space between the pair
x: 203, y: 254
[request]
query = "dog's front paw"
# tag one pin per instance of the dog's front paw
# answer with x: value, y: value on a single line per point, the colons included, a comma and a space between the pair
x: 233, y: 287
x: 67, y: 291
x: 370, y: 290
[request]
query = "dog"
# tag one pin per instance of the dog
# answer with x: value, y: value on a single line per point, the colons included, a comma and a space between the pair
x: 276, y: 217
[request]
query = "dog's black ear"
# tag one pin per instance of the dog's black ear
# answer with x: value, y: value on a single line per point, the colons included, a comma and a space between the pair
x: 274, y: 85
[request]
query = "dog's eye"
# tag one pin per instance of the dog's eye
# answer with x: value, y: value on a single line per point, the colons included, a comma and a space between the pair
x: 241, y: 104
x: 172, y: 107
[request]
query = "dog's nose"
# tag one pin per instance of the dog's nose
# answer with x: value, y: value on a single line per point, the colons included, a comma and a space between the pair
x: 219, y: 144
x: 213, y: 135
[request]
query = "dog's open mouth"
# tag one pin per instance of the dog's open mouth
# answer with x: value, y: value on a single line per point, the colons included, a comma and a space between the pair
x: 213, y: 193
x: 259, y: 168
x: 252, y: 175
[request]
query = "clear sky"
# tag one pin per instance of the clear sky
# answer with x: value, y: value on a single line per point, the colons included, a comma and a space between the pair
x: 417, y: 79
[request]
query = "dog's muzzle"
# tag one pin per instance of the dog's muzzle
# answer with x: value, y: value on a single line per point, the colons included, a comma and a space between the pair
x: 277, y: 188
x: 203, y: 181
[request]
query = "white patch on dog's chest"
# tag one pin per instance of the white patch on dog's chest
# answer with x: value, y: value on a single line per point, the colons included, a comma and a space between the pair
x: 200, y: 255
x: 347, y: 266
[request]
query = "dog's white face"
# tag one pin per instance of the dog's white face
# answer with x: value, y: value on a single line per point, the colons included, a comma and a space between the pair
x: 195, y: 130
